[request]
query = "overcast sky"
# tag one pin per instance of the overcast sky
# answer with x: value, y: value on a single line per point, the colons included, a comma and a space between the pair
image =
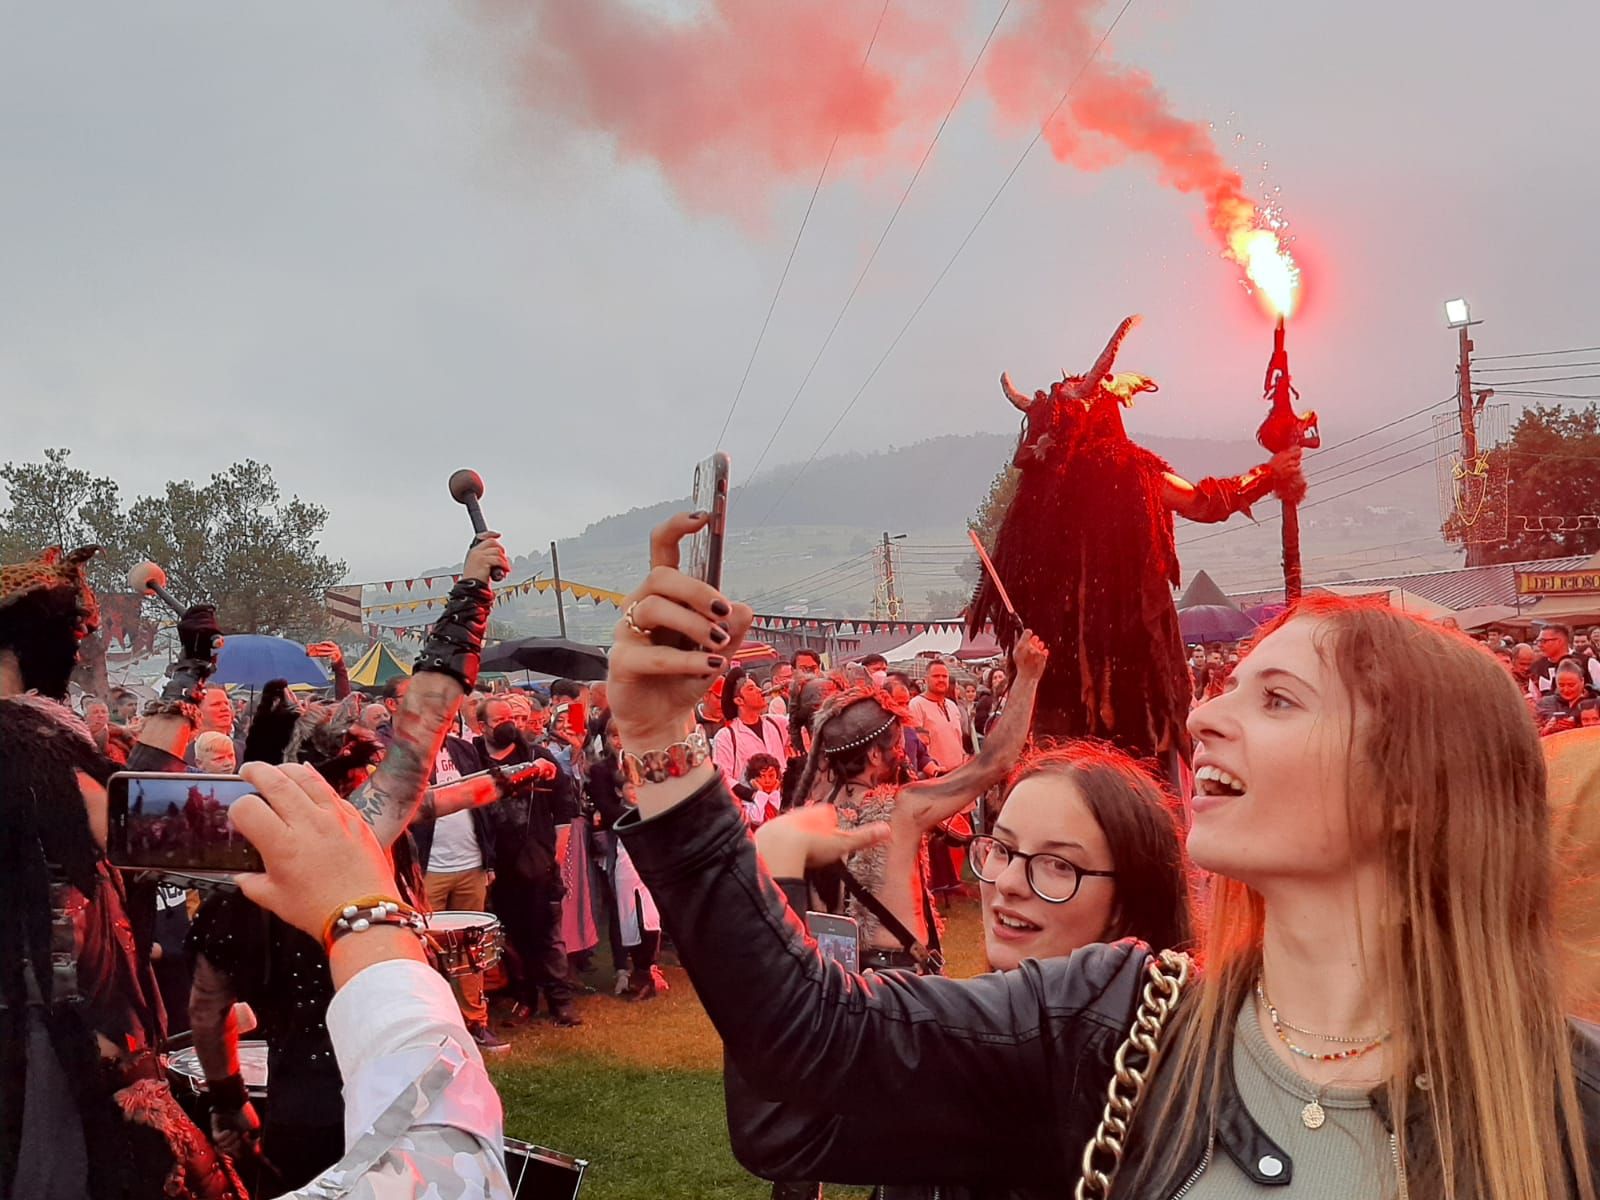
x: 327, y: 236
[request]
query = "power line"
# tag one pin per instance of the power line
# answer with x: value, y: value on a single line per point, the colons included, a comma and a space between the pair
x: 1391, y: 424
x: 815, y: 576
x: 1546, y: 379
x: 1539, y: 353
x: 882, y: 237
x: 1324, y: 500
x: 1371, y: 465
x: 1591, y: 362
x: 1011, y: 174
x: 1322, y: 469
x: 760, y: 337
x: 1549, y: 395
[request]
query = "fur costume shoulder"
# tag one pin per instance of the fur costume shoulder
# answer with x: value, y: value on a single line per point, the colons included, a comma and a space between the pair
x: 43, y: 747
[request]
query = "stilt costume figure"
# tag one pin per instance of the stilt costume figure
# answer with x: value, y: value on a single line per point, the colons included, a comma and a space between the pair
x: 1085, y: 549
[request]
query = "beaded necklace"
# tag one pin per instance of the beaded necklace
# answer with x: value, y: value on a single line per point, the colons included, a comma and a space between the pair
x: 1359, y: 1045
x: 1313, y: 1115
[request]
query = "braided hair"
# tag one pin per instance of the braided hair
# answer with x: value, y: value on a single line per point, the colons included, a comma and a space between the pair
x: 845, y: 731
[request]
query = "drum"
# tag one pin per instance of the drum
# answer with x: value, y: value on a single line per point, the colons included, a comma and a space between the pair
x: 538, y: 1173
x: 465, y: 943
x: 188, y: 1079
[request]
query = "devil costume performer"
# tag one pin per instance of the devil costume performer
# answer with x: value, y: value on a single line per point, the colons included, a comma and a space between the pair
x: 1085, y: 550
x: 84, y: 1105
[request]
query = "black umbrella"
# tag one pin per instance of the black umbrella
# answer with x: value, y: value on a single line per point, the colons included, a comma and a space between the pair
x: 1208, y: 623
x: 548, y: 656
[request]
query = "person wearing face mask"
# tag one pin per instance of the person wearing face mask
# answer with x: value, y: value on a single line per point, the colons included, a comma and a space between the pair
x: 527, y: 884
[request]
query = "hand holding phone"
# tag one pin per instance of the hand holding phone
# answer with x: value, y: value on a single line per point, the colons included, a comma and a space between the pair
x: 700, y: 554
x: 178, y: 824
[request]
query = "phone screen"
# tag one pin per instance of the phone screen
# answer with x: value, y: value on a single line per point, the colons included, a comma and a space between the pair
x: 838, y: 939
x: 178, y: 823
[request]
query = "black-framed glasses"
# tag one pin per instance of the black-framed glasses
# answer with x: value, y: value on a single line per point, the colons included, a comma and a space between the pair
x: 1053, y: 879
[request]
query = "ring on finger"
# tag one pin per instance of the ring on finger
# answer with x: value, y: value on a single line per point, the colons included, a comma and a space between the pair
x: 627, y: 615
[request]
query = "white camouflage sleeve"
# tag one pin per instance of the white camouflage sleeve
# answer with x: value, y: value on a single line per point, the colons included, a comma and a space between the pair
x: 422, y: 1120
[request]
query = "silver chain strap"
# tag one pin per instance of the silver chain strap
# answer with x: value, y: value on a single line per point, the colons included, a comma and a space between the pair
x: 1168, y: 973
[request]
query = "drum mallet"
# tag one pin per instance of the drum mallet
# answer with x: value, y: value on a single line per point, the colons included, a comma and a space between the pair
x: 466, y: 488
x: 148, y: 579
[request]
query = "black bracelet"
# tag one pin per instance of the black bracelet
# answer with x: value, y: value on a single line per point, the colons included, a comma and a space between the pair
x: 227, y: 1095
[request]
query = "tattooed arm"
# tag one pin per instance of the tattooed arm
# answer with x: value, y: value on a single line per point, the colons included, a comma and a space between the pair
x: 390, y: 799
x: 446, y: 671
x: 935, y: 800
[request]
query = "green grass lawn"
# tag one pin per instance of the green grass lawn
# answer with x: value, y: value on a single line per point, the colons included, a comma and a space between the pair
x: 637, y: 1090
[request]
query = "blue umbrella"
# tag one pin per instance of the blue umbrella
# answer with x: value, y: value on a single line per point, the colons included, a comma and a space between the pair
x: 253, y: 659
x: 1208, y: 623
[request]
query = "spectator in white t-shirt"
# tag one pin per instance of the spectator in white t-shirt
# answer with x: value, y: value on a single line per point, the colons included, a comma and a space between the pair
x: 939, y: 719
x: 750, y: 729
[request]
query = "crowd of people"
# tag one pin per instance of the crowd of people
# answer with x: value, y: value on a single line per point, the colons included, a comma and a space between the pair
x: 1364, y: 849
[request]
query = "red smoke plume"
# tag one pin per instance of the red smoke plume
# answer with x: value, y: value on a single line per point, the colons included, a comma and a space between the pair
x: 740, y: 95
x: 1114, y: 113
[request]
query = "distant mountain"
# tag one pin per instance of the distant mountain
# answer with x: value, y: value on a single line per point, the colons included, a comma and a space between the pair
x: 805, y: 542
x: 934, y: 483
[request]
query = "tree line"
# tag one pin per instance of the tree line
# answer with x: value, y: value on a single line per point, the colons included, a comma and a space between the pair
x: 234, y: 541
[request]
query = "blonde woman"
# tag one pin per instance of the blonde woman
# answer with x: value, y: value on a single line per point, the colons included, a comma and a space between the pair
x: 1379, y: 1014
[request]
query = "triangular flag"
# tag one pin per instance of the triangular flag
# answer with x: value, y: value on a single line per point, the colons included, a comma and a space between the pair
x: 388, y: 586
x: 427, y: 581
x: 409, y: 582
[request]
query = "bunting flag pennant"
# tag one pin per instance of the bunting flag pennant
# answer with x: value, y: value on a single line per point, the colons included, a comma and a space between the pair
x: 427, y: 581
x: 409, y: 582
x: 455, y: 579
x: 388, y: 586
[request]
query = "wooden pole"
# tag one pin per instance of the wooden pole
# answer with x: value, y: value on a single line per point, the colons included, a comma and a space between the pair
x: 561, y: 608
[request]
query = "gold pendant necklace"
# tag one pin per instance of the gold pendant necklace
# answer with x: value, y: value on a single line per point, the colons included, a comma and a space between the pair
x: 1313, y: 1115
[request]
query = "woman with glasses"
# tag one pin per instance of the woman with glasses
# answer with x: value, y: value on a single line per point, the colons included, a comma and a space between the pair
x: 1380, y: 1012
x: 1084, y: 850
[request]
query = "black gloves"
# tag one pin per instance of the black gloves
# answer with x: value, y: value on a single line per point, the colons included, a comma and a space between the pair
x: 200, y: 637
x: 455, y: 643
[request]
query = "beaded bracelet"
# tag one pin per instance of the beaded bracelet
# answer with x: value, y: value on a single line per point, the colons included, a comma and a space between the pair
x: 358, y: 916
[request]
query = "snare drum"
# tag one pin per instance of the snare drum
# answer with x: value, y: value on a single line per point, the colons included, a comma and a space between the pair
x: 539, y: 1173
x: 465, y: 943
x: 188, y: 1079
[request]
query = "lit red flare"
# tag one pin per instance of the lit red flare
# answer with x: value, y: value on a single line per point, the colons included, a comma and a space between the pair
x: 1270, y: 268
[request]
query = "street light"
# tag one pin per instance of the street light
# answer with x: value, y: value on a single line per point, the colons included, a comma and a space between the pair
x: 1457, y: 315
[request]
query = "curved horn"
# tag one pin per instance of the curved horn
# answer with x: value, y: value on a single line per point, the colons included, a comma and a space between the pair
x: 1108, y: 356
x: 1018, y: 400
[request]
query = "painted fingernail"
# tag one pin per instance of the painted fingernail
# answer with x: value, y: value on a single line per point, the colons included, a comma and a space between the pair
x: 699, y: 514
x: 719, y: 635
x: 716, y: 662
x: 721, y: 608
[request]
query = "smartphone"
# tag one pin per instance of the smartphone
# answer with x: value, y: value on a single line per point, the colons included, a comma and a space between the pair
x: 838, y: 939
x: 178, y: 824
x: 701, y: 555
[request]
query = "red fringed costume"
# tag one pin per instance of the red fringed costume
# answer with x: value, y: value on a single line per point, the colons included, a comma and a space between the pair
x: 1085, y: 550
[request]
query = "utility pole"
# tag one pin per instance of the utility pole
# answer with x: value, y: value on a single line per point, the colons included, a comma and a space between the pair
x: 1476, y: 551
x: 561, y: 608
x: 896, y: 607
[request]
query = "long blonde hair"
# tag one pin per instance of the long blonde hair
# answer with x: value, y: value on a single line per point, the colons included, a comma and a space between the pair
x: 1446, y: 772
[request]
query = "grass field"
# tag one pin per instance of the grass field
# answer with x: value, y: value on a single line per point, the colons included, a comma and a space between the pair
x: 637, y: 1090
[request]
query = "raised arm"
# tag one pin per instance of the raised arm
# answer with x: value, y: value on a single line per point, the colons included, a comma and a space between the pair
x: 446, y: 671
x: 931, y: 801
x: 1213, y: 499
x: 482, y: 788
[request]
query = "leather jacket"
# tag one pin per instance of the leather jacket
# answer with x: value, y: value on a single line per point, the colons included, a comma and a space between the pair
x: 993, y: 1084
